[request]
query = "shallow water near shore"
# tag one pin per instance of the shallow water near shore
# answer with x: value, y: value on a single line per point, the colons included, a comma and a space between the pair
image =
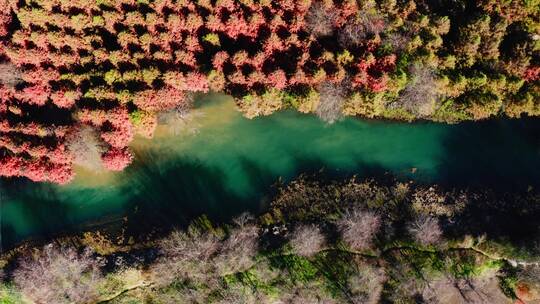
x: 231, y: 163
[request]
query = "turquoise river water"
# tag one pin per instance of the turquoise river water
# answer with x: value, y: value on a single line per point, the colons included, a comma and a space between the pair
x: 231, y: 164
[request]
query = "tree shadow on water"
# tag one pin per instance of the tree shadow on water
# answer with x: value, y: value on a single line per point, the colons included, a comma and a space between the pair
x: 171, y: 193
x: 502, y: 159
x: 41, y: 206
x: 158, y: 194
x: 502, y: 154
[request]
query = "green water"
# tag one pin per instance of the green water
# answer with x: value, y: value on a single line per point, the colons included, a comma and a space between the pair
x: 231, y: 164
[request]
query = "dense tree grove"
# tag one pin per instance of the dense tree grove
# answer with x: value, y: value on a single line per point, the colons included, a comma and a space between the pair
x: 114, y: 65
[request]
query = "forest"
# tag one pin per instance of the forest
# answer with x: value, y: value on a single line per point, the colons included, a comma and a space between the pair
x: 85, y: 75
x: 82, y: 80
x: 334, y: 241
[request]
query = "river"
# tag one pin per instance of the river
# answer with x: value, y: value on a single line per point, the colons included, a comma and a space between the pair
x: 230, y: 164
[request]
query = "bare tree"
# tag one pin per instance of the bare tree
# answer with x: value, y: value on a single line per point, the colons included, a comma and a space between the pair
x: 309, y: 293
x: 307, y: 240
x: 361, y: 27
x: 331, y: 100
x: 420, y: 95
x: 10, y: 75
x: 366, y: 285
x: 86, y: 148
x: 320, y: 20
x: 240, y: 295
x: 185, y: 255
x: 406, y: 287
x: 203, y: 257
x: 528, y: 281
x: 397, y: 40
x: 358, y: 228
x: 59, y: 275
x: 243, y: 219
x: 483, y: 289
x: 239, y: 249
x: 425, y: 230
x: 185, y: 247
x: 530, y: 274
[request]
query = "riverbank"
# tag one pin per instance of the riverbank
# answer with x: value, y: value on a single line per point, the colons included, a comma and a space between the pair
x: 396, y: 237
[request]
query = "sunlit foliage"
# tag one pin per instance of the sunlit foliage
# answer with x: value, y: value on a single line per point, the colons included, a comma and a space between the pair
x: 113, y: 65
